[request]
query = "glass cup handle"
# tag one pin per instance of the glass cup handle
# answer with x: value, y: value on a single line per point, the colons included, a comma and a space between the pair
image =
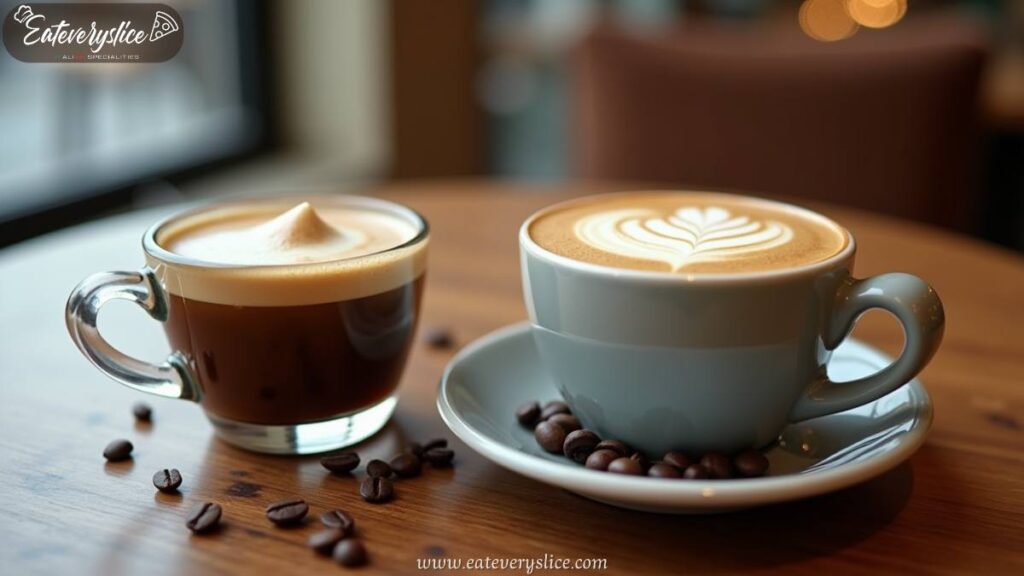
x: 172, y: 378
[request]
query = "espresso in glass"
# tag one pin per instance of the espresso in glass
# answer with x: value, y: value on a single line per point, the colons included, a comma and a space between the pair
x: 290, y: 320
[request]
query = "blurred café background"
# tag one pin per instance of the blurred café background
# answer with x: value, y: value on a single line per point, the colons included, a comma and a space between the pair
x: 913, y: 108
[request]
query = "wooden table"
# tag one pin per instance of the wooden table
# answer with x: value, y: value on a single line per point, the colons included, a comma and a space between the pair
x: 956, y: 507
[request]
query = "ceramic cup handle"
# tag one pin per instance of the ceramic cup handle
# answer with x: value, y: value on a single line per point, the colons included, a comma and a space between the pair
x: 171, y: 379
x: 917, y: 307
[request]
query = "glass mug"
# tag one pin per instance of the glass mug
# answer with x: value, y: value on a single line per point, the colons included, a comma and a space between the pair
x: 283, y: 358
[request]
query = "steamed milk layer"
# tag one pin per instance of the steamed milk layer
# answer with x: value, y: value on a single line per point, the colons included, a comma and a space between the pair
x: 686, y: 233
x: 263, y: 254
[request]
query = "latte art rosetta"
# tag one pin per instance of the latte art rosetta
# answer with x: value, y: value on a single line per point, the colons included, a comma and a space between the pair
x: 685, y: 237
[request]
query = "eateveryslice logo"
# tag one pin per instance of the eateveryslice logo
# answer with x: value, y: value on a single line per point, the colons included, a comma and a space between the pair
x: 85, y: 33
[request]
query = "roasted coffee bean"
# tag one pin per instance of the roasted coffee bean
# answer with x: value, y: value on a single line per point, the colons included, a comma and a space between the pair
x: 339, y: 520
x: 750, y: 464
x: 378, y: 469
x: 619, y: 448
x: 677, y: 459
x: 435, y: 443
x: 440, y: 338
x: 568, y: 422
x: 350, y: 552
x: 324, y: 541
x: 439, y: 457
x: 718, y: 465
x: 406, y: 465
x: 554, y: 407
x: 550, y: 436
x: 376, y: 490
x: 167, y: 480
x: 600, y: 459
x: 416, y: 449
x: 627, y: 466
x: 142, y: 412
x: 579, y: 444
x: 341, y: 463
x: 641, y: 459
x: 528, y: 414
x: 118, y: 450
x: 287, y: 512
x: 203, y: 518
x: 696, y: 472
x: 662, y: 470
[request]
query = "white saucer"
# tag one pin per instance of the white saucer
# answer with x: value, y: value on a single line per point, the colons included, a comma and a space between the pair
x: 487, y: 380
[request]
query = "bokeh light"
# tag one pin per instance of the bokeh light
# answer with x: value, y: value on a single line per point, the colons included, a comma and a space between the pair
x: 827, y: 20
x: 876, y: 13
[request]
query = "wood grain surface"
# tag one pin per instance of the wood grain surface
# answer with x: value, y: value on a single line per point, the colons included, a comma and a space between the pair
x: 957, y: 506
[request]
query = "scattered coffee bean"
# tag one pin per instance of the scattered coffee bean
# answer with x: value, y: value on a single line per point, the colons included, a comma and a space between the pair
x: 750, y: 464
x: 600, y: 459
x: 378, y: 469
x: 641, y: 459
x: 350, y: 552
x: 554, y: 407
x: 142, y: 412
x: 550, y: 436
x: 376, y: 490
x: 677, y: 459
x: 662, y: 470
x: 439, y: 457
x: 118, y: 450
x: 440, y: 338
x: 435, y: 443
x: 416, y: 449
x: 339, y: 520
x: 287, y: 512
x: 406, y: 465
x: 718, y: 465
x: 341, y: 463
x: 627, y: 466
x: 167, y: 480
x: 568, y: 422
x: 528, y: 414
x: 696, y: 472
x: 203, y: 518
x: 579, y: 444
x: 324, y: 541
x: 619, y: 448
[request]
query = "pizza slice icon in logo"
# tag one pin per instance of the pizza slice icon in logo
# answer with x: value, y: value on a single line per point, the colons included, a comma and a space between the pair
x: 163, y: 24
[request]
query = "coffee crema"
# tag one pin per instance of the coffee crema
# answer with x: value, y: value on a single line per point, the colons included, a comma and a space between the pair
x: 686, y: 232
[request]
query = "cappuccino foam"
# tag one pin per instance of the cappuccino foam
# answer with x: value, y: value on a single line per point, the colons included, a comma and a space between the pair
x: 686, y: 233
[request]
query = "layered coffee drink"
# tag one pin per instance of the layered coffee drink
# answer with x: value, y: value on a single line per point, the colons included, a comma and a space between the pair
x: 687, y: 232
x: 293, y: 313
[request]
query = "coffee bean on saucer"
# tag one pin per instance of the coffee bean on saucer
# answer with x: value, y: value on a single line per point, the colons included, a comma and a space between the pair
x: 528, y: 414
x: 142, y: 412
x: 339, y: 520
x: 378, y: 469
x: 341, y: 463
x: 118, y: 450
x: 662, y: 470
x: 568, y: 422
x: 579, y: 444
x: 554, y: 407
x: 641, y: 459
x: 718, y: 465
x: 350, y: 552
x: 600, y: 459
x: 440, y: 338
x: 324, y: 541
x: 287, y: 512
x: 696, y: 472
x: 750, y: 464
x: 677, y: 459
x: 619, y: 448
x: 376, y: 490
x: 550, y: 436
x: 167, y: 480
x: 203, y: 518
x: 627, y: 466
x: 439, y: 457
x: 406, y: 465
